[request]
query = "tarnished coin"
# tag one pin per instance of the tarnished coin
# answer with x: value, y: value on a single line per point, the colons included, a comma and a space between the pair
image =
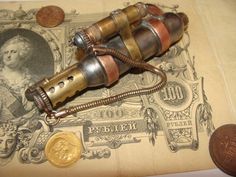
x: 50, y: 16
x: 63, y: 149
x: 222, y: 148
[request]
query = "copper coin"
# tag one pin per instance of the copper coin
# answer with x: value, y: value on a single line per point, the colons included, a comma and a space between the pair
x: 50, y: 16
x: 222, y: 148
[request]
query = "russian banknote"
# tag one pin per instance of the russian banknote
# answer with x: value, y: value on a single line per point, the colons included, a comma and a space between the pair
x: 164, y: 132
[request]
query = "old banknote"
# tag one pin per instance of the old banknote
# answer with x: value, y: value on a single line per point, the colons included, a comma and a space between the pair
x: 164, y: 132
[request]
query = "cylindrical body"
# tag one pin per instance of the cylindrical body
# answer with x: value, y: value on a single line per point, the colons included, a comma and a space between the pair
x: 108, y: 27
x: 152, y: 37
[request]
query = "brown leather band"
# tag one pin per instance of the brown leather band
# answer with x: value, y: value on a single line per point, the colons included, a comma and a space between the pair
x: 110, y: 67
x: 162, y: 33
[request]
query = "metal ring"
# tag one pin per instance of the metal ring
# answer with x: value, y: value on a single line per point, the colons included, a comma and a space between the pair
x: 162, y: 32
x: 110, y: 67
x: 48, y: 120
x: 43, y: 99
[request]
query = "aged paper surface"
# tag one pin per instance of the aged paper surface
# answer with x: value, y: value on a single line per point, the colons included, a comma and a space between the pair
x: 165, y: 132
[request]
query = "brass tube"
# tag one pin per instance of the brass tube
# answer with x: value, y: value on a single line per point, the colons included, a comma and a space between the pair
x: 107, y: 27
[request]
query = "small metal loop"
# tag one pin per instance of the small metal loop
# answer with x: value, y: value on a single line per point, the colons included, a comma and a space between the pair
x: 50, y: 121
x: 101, y: 52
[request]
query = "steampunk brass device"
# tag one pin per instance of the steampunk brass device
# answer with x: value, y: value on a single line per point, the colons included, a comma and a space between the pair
x: 109, y: 48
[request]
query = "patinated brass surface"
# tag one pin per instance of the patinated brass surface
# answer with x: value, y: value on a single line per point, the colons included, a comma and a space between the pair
x: 64, y: 85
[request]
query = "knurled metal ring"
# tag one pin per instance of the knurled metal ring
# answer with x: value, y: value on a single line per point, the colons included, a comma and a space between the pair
x: 45, y: 101
x: 85, y: 42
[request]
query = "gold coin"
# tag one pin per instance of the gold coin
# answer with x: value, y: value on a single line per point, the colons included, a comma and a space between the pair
x: 63, y: 149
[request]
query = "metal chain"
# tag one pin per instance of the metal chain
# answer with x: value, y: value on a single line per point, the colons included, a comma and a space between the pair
x: 105, y: 101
